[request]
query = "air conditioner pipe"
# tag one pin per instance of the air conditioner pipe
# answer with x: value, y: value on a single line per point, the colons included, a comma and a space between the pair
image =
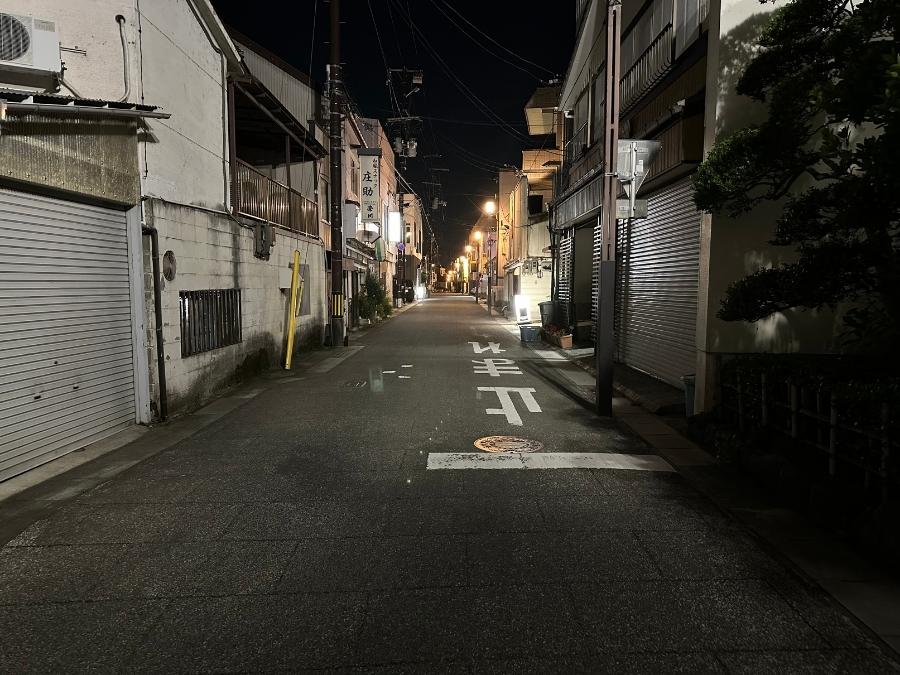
x: 157, y: 312
x: 121, y: 21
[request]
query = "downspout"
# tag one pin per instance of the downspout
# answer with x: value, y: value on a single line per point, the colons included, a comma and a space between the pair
x: 150, y: 230
x: 127, y: 70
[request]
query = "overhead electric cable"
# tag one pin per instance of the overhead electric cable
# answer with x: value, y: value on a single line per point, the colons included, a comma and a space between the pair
x: 387, y: 69
x: 507, y: 50
x: 312, y: 40
x: 481, y: 43
x: 466, y: 91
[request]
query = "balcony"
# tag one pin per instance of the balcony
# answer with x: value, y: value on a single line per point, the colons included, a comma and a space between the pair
x: 265, y: 199
x: 649, y: 68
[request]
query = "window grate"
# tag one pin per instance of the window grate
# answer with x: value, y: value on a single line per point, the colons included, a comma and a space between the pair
x: 209, y: 319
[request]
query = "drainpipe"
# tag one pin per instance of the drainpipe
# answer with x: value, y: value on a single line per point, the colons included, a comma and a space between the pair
x: 121, y: 21
x: 157, y: 311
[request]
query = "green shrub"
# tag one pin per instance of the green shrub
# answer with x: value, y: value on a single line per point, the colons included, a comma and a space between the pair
x: 386, y: 307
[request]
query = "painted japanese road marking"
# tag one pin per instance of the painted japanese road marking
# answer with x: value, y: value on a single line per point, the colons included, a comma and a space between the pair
x: 496, y: 367
x: 547, y: 460
x: 507, y: 407
x: 493, y: 347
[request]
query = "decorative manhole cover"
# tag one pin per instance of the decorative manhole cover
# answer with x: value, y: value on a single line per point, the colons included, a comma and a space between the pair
x: 507, y: 444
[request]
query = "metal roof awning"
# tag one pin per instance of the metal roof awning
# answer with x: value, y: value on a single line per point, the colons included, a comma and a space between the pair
x: 15, y: 101
x: 269, y: 110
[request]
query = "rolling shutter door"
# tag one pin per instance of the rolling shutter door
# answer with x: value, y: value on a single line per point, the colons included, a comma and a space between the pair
x: 658, y: 270
x: 66, y: 376
x: 564, y: 289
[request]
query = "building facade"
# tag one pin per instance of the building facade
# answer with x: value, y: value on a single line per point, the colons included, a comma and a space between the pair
x: 680, y: 60
x: 181, y: 178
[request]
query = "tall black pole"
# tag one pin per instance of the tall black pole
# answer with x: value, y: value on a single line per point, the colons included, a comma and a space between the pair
x: 336, y: 134
x: 606, y: 296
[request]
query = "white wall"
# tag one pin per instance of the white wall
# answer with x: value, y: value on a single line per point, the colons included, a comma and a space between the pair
x: 172, y: 64
x: 731, y: 248
x: 212, y: 252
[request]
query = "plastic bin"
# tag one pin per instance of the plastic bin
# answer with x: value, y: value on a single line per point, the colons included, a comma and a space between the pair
x: 689, y: 387
x: 546, y: 312
x: 530, y: 334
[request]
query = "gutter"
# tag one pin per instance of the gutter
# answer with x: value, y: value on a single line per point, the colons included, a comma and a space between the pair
x: 62, y: 109
x: 218, y: 33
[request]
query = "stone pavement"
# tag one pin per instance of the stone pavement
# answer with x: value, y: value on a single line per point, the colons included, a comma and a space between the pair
x: 302, y: 529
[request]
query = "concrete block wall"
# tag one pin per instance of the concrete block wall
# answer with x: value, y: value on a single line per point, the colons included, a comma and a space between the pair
x: 213, y: 251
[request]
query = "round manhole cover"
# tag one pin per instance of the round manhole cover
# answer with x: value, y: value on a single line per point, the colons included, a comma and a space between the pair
x: 507, y: 444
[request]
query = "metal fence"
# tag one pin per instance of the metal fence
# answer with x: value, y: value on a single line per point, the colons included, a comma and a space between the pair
x: 209, y: 319
x: 845, y: 427
x: 261, y: 197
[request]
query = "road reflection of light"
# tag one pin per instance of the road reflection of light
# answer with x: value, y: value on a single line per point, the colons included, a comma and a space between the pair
x: 376, y: 380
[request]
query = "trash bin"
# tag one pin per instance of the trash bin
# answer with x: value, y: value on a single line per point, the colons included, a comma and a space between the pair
x: 530, y: 334
x: 546, y: 313
x: 689, y: 387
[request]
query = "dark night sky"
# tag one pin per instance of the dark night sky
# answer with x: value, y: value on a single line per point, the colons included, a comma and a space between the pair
x: 542, y: 33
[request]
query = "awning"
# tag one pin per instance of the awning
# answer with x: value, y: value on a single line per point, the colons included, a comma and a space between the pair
x: 267, y: 111
x: 13, y: 101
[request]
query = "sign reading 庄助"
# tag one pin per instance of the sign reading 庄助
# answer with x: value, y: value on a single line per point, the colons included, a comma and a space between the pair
x: 369, y: 185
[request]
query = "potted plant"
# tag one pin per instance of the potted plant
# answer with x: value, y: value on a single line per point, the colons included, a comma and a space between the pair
x: 558, y: 336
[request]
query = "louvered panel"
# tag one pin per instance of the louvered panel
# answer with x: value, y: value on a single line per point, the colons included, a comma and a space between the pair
x: 66, y: 374
x: 657, y: 285
x: 596, y: 241
x: 566, y: 272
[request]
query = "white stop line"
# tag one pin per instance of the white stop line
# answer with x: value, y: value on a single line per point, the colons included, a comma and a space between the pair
x: 547, y: 460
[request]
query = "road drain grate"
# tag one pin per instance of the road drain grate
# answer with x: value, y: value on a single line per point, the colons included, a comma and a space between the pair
x: 508, y: 444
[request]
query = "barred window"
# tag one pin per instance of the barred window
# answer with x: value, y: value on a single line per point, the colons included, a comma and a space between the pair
x: 209, y: 319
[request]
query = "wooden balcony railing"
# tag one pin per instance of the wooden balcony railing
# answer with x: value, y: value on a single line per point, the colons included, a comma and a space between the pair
x: 261, y: 197
x: 655, y: 61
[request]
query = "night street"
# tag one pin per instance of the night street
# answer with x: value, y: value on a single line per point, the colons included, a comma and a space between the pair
x: 305, y: 530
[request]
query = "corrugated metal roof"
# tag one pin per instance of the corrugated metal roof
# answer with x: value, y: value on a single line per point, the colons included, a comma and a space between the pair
x: 19, y: 96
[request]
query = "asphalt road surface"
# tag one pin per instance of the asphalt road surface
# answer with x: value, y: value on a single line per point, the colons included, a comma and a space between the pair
x: 305, y: 530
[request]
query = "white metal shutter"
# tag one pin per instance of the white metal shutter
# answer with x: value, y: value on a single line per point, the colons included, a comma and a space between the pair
x: 66, y: 376
x: 658, y: 270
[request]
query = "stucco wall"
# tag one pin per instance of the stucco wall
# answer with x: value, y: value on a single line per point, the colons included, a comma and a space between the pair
x: 172, y: 64
x: 213, y: 251
x: 732, y: 248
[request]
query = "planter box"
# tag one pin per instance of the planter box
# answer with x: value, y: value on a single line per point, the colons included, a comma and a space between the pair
x: 561, y: 341
x: 530, y: 333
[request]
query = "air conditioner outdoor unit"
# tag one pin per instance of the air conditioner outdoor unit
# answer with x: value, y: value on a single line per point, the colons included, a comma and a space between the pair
x: 28, y: 46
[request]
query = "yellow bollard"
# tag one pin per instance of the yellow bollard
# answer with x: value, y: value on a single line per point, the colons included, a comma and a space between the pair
x: 292, y: 320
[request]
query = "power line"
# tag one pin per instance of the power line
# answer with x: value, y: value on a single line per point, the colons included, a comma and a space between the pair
x: 387, y: 69
x: 481, y: 32
x: 481, y: 44
x: 466, y: 91
x: 312, y: 40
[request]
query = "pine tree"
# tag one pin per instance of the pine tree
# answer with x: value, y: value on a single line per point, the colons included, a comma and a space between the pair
x: 829, y: 73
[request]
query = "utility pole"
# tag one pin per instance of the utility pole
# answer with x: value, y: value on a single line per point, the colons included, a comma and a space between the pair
x: 336, y: 135
x: 606, y: 296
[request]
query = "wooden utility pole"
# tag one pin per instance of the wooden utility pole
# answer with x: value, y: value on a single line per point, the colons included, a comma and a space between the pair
x: 606, y: 295
x: 336, y: 137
